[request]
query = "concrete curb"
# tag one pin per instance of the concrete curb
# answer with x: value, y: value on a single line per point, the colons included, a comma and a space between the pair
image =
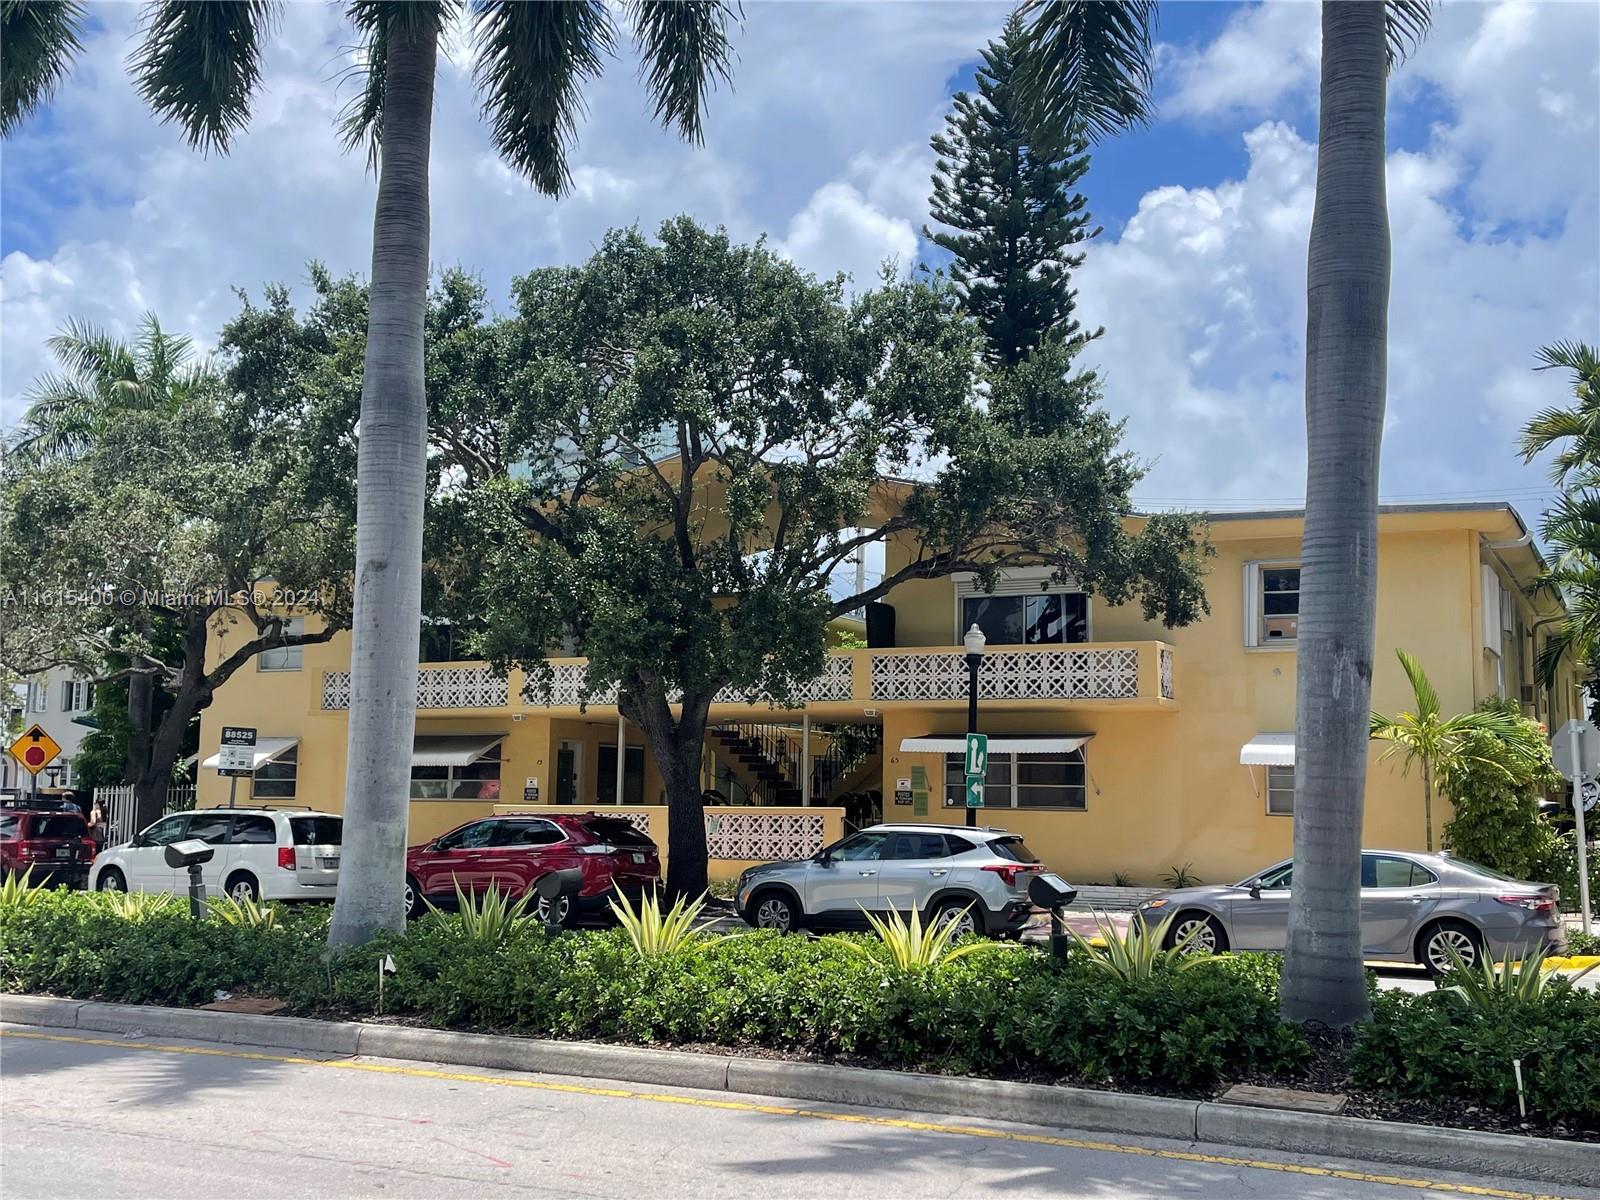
x: 1547, y: 1160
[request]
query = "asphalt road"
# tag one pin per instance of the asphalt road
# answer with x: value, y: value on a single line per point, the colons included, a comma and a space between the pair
x: 91, y: 1116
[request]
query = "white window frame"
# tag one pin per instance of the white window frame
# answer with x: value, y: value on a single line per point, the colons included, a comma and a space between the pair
x: 1018, y: 581
x: 284, y: 658
x: 39, y: 696
x: 1011, y: 801
x: 79, y: 695
x: 1269, y: 790
x: 1254, y: 604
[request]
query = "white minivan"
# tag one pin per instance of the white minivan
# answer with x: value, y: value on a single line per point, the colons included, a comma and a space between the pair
x: 262, y: 854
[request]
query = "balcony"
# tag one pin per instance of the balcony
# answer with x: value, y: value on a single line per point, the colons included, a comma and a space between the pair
x: 1097, y: 674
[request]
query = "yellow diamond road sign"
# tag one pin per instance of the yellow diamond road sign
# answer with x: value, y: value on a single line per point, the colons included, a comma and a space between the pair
x: 35, y: 749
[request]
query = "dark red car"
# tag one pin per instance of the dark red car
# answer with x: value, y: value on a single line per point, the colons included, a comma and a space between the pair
x: 52, y: 844
x: 512, y: 853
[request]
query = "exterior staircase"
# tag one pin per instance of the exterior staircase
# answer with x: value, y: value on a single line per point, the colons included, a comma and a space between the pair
x: 766, y: 761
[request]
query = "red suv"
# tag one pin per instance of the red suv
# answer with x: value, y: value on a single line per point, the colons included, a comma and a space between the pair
x: 512, y: 853
x: 53, y: 843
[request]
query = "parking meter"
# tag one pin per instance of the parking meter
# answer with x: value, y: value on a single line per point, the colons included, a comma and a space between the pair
x: 559, y: 891
x: 1055, y: 893
x: 192, y: 854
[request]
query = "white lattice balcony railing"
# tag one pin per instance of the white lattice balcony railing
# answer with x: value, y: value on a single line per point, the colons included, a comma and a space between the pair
x: 437, y: 687
x: 1046, y: 673
x: 569, y: 687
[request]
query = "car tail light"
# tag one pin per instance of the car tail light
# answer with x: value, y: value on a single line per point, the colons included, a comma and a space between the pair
x: 1531, y: 903
x: 598, y: 848
x: 1008, y: 872
x: 286, y: 857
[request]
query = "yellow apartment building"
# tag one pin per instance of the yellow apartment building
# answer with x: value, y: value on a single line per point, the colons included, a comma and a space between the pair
x: 1118, y: 747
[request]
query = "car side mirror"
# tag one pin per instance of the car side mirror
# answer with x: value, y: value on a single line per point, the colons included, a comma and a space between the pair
x: 1255, y: 889
x: 825, y: 859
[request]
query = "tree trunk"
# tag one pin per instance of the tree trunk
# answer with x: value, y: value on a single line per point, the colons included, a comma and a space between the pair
x: 677, y: 747
x: 141, y: 699
x: 1427, y: 802
x: 165, y: 742
x: 391, y: 476
x: 1346, y: 368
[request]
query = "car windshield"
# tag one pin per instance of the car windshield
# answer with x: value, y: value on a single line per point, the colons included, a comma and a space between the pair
x: 59, y: 827
x: 618, y: 832
x: 1013, y: 848
x: 317, y: 831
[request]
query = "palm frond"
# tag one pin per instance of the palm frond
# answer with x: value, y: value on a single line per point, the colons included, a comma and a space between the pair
x: 1087, y: 64
x: 86, y: 349
x: 1405, y: 24
x: 684, y: 48
x: 1421, y: 687
x: 533, y: 60
x: 199, y: 65
x: 38, y: 41
x: 1578, y: 357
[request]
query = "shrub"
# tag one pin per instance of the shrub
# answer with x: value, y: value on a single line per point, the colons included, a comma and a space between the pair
x: 1423, y: 1047
x: 1495, y: 784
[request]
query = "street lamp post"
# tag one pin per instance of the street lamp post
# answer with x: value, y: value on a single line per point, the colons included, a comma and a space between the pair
x: 974, y: 641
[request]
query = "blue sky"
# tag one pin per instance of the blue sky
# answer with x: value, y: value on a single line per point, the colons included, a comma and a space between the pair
x: 822, y: 147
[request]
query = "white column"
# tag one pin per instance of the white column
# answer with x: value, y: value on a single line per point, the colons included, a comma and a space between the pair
x: 805, y: 760
x: 622, y: 753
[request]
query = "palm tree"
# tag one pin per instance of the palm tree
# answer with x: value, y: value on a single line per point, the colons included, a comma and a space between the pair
x: 1437, y: 744
x: 1578, y: 425
x: 101, y: 375
x: 199, y: 64
x: 1347, y: 349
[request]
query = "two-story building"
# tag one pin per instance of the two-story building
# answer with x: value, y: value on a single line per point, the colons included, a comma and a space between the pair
x: 1117, y: 747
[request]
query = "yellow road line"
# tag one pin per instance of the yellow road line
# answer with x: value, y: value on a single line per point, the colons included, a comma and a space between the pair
x: 780, y: 1110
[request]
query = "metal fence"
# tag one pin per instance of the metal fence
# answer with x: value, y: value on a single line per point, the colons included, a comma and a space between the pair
x: 121, y: 808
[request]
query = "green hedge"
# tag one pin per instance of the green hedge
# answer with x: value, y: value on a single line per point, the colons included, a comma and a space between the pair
x: 1427, y: 1046
x: 1009, y: 1013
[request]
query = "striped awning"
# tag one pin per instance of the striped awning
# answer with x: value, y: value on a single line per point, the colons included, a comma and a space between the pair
x: 1043, y: 744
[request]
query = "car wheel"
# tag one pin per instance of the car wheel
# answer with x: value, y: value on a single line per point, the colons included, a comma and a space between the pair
x: 541, y: 909
x: 413, y: 897
x: 111, y: 880
x: 965, y: 915
x: 1438, y: 940
x: 241, y: 888
x: 774, y: 910
x: 1211, y: 938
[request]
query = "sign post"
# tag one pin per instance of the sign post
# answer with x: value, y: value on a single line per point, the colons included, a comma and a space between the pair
x: 236, y: 756
x: 1576, y: 750
x: 977, y: 767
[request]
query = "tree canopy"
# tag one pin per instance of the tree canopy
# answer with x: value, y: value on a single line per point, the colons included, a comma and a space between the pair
x: 702, y: 434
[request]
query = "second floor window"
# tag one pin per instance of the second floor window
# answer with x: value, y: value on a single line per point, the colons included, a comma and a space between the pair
x: 77, y: 695
x: 283, y: 658
x: 1273, y: 592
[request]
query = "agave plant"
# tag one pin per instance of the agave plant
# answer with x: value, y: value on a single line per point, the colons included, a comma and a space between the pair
x: 489, y: 918
x: 252, y: 914
x: 1140, y: 952
x: 19, y: 891
x: 1490, y: 987
x: 910, y: 946
x: 655, y: 934
x: 136, y: 906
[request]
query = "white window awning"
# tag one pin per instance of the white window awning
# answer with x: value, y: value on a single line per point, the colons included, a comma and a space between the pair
x: 266, y: 749
x: 1044, y: 744
x: 1268, y: 750
x: 452, y: 749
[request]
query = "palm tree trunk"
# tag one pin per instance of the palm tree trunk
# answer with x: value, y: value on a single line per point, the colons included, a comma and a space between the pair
x: 391, y: 473
x: 1427, y: 802
x: 1346, y: 368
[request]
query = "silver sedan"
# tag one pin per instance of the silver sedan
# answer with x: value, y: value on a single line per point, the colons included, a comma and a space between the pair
x: 1414, y: 908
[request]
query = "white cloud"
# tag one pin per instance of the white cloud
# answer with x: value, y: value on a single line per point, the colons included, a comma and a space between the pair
x: 1264, y: 53
x: 841, y: 230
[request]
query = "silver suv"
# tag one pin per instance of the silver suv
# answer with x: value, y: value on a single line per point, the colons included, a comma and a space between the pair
x: 975, y: 877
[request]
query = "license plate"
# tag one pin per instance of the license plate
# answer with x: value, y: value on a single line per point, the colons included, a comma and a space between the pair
x: 328, y: 864
x: 638, y: 858
x: 63, y: 851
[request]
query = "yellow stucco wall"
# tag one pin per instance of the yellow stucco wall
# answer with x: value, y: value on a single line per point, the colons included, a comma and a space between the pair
x: 1166, y: 788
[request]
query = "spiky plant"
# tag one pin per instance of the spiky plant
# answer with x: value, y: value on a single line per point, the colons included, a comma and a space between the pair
x: 489, y: 917
x: 655, y: 934
x: 1488, y: 987
x: 909, y: 946
x: 252, y: 914
x: 1139, y: 952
